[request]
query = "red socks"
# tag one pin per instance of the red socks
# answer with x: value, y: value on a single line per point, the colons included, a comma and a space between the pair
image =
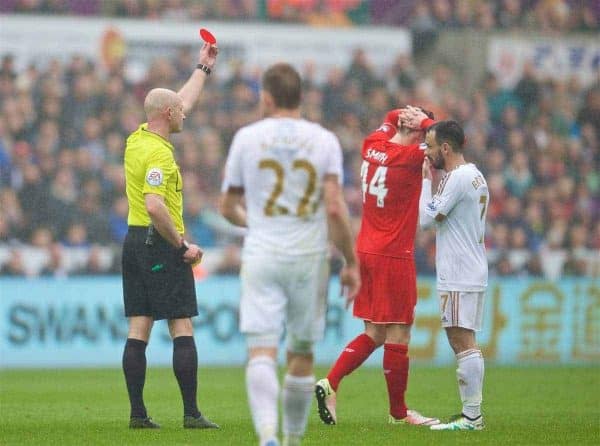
x: 355, y: 353
x: 395, y: 369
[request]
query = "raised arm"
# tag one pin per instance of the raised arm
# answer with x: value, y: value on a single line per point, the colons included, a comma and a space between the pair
x: 414, y: 118
x: 190, y: 91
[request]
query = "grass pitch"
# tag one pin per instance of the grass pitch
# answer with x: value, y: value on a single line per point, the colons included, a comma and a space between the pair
x: 524, y: 406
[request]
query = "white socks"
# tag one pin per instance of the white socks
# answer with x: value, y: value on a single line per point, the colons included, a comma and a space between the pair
x: 297, y: 398
x: 262, y: 387
x: 470, y: 381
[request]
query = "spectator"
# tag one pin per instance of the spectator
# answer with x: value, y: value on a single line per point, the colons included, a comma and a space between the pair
x: 509, y: 13
x: 424, y: 30
x: 55, y: 264
x: 403, y: 72
x: 361, y: 72
x: 518, y: 177
x: 553, y: 255
x: 590, y: 112
x: 498, y: 99
x: 15, y: 266
x: 117, y: 219
x: 581, y: 261
x: 519, y: 255
x: 60, y: 207
x: 76, y: 236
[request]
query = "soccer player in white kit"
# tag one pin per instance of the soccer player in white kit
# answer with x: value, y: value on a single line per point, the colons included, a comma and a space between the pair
x: 458, y: 211
x: 283, y: 181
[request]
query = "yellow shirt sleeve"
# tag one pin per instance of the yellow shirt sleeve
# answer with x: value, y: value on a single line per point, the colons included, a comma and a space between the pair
x: 160, y: 168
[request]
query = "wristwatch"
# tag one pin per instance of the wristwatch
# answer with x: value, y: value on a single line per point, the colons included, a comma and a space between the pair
x: 204, y: 68
x: 183, y: 248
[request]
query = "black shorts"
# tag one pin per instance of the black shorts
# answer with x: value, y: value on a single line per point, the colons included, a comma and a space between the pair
x: 156, y: 280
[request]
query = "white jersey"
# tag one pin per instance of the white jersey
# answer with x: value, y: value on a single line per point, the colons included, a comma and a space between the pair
x: 281, y: 163
x: 461, y: 261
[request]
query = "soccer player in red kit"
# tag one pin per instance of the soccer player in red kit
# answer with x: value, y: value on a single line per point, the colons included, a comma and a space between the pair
x: 391, y: 177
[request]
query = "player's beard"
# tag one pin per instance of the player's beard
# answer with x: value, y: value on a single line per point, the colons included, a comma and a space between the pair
x: 437, y: 162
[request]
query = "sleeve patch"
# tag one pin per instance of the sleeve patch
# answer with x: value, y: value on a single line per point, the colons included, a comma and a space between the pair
x: 154, y: 177
x: 434, y: 204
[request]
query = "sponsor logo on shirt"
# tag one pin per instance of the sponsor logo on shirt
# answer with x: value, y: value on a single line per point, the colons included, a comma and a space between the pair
x: 376, y: 155
x: 154, y: 177
x: 431, y: 206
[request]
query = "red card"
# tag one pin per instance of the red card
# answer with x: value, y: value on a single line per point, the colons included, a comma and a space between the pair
x: 207, y: 36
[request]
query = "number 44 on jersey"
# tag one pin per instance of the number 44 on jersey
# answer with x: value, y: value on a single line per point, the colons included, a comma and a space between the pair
x: 376, y: 186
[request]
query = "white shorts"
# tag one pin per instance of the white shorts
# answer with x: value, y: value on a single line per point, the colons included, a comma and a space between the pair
x: 462, y: 309
x: 284, y: 293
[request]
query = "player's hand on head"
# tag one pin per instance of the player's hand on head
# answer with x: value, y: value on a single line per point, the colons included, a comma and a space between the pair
x: 350, y: 281
x: 208, y: 54
x: 427, y: 175
x: 412, y: 117
x: 193, y: 254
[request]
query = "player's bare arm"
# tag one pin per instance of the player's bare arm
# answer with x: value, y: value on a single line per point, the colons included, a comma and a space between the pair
x: 191, y: 90
x: 338, y: 221
x: 232, y: 206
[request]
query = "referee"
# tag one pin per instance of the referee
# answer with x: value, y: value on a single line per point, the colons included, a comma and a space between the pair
x: 157, y: 262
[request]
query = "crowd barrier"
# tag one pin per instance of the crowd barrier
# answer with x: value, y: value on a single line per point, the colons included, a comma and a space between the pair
x: 79, y: 322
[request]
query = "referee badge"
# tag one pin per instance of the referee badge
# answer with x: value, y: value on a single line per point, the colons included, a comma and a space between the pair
x: 154, y: 177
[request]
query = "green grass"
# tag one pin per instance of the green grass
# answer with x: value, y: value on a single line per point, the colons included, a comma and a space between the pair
x: 549, y: 406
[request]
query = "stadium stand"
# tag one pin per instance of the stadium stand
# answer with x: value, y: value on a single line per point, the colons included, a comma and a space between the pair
x: 62, y: 130
x: 547, y: 15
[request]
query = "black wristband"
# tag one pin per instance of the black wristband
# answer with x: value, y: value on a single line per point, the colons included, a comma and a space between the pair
x: 183, y: 248
x: 204, y: 68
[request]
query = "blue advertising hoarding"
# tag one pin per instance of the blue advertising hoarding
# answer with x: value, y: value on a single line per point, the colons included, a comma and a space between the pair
x: 79, y: 322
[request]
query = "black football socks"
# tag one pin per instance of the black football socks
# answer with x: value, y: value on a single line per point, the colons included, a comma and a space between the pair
x: 185, y: 366
x: 134, y: 368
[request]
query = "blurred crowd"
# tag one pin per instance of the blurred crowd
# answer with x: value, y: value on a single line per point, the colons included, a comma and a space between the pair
x: 422, y: 15
x: 62, y: 129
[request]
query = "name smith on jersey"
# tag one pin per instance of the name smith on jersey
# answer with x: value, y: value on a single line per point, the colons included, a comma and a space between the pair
x: 376, y: 155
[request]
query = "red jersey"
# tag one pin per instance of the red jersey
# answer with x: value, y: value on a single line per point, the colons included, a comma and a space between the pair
x: 391, y: 186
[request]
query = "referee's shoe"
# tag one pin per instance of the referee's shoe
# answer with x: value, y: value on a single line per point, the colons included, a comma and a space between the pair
x: 199, y: 422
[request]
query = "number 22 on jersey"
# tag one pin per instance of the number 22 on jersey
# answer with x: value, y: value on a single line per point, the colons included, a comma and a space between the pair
x: 376, y: 186
x: 304, y: 207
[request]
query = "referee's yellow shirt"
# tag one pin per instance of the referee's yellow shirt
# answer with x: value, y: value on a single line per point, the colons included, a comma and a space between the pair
x: 150, y: 168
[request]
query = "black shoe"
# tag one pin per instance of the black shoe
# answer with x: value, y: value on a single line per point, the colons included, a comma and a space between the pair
x: 190, y: 422
x: 142, y: 423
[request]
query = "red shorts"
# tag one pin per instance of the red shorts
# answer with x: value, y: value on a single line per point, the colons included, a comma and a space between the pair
x: 388, y: 293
